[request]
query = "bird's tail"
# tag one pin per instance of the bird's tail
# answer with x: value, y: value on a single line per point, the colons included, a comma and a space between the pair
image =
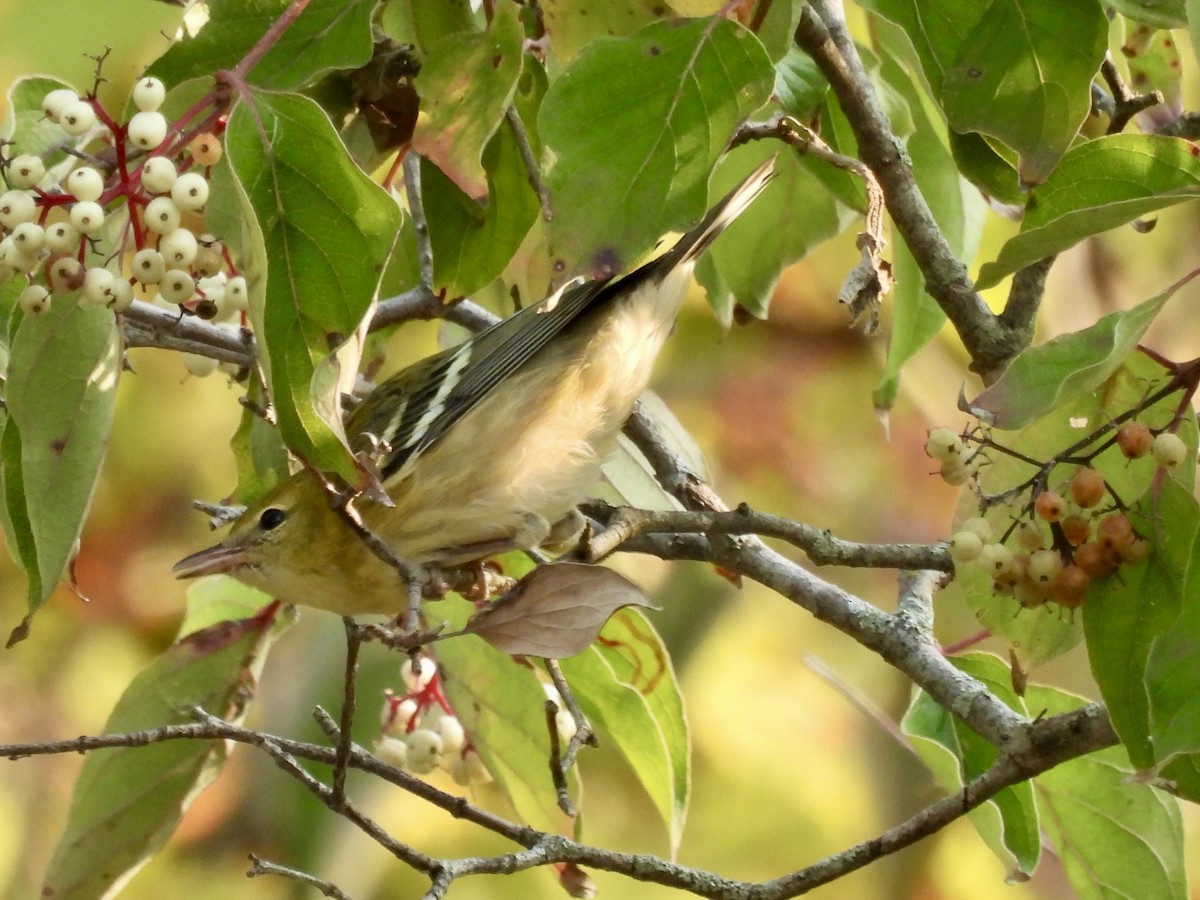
x: 695, y: 242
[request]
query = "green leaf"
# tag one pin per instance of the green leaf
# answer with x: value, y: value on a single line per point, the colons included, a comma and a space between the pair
x: 1099, y: 185
x: 940, y: 30
x: 1159, y: 13
x: 626, y: 686
x: 1154, y: 65
x: 423, y: 24
x: 328, y: 34
x: 1052, y: 374
x: 127, y: 801
x: 214, y: 599
x: 982, y: 165
x: 262, y: 460
x: 61, y: 394
x: 1115, y: 837
x: 1135, y: 644
x: 1025, y: 77
x: 572, y: 24
x: 1173, y: 672
x: 501, y: 703
x: 466, y: 83
x: 749, y: 257
x: 316, y: 237
x: 18, y: 532
x: 800, y: 88
x: 1008, y: 823
x: 633, y: 128
x: 1038, y: 635
x: 473, y: 242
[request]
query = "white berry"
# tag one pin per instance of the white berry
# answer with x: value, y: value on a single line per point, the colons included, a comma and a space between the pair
x: 995, y: 559
x: 26, y: 171
x: 209, y: 261
x: 77, y: 118
x: 190, y: 191
x: 979, y: 525
x: 453, y: 736
x: 56, y: 101
x: 162, y: 215
x: 419, y: 676
x: 87, y: 216
x: 16, y: 207
x: 29, y: 237
x: 158, y: 175
x: 148, y: 266
x: 95, y: 281
x: 565, y: 725
x: 944, y: 445
x: 393, y: 751
x: 965, y: 546
x: 66, y: 274
x: 176, y: 286
x: 148, y: 94
x: 85, y: 183
x: 1168, y: 449
x: 236, y: 294
x: 11, y: 256
x: 199, y: 366
x: 178, y: 248
x: 424, y: 749
x: 469, y: 769
x: 61, y: 237
x: 147, y: 130
x: 34, y: 300
x: 1044, y: 566
x: 118, y: 296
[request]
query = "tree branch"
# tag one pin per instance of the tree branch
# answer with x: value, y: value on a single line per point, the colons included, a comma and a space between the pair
x: 1033, y: 747
x: 822, y: 33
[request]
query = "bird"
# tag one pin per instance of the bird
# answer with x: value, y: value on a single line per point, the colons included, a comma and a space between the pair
x: 483, y: 448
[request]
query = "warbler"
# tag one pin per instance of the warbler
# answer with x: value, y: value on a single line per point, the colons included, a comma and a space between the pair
x: 485, y: 447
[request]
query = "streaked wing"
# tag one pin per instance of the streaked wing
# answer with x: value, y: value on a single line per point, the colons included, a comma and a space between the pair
x: 431, y: 395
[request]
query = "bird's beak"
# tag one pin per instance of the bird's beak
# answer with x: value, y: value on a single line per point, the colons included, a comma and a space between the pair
x: 213, y: 561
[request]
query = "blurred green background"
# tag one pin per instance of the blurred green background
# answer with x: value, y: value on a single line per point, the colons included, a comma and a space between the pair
x: 789, y: 767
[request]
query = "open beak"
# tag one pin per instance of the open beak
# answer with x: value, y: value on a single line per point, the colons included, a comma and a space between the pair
x: 213, y: 561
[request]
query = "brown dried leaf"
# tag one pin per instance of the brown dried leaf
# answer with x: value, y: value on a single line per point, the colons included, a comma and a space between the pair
x: 555, y: 611
x: 868, y: 282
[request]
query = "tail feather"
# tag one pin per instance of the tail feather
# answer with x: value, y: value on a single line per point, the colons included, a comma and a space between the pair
x: 720, y: 217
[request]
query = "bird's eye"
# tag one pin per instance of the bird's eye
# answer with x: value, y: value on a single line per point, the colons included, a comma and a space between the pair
x: 272, y: 517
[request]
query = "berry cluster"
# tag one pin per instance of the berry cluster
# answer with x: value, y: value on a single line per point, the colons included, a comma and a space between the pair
x: 421, y: 732
x: 124, y: 222
x: 1061, y: 540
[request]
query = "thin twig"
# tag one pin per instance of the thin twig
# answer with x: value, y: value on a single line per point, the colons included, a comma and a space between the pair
x: 416, y: 206
x: 531, y: 167
x: 1126, y: 103
x: 584, y: 733
x: 349, y: 705
x: 259, y: 866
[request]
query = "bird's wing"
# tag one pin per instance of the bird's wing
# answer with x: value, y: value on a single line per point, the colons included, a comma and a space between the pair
x: 428, y: 397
